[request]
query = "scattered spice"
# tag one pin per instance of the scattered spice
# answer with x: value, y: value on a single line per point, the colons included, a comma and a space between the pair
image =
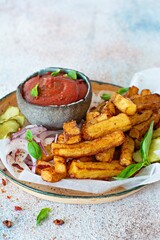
x: 17, y: 208
x: 4, y: 182
x: 58, y: 222
x: 7, y: 223
x: 9, y: 197
x: 2, y: 190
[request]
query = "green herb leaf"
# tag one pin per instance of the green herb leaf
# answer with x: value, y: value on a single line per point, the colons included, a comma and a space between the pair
x: 43, y: 214
x: 34, y: 91
x: 144, y: 149
x: 53, y: 74
x: 72, y: 74
x: 145, y: 144
x: 105, y: 96
x: 29, y: 135
x: 34, y: 150
x: 129, y: 171
x: 122, y: 90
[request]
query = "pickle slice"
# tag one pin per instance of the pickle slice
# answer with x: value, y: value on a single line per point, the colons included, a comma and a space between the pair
x: 9, y: 113
x: 8, y: 127
x: 20, y: 119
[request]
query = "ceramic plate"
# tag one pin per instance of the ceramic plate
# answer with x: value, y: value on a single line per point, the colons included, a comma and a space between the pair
x: 59, y: 194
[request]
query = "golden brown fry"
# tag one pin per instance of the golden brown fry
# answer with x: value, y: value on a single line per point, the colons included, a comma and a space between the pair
x: 50, y: 175
x: 99, y: 107
x: 48, y: 157
x: 109, y: 109
x: 94, y: 170
x: 151, y: 101
x: 137, y: 144
x: 91, y: 115
x: 86, y: 159
x: 132, y: 91
x: 138, y: 118
x: 105, y: 156
x: 71, y: 132
x: 42, y: 165
x: 125, y: 105
x: 89, y: 148
x: 60, y: 164
x: 60, y: 138
x: 138, y: 131
x: 127, y: 150
x: 100, y: 118
x: 145, y: 92
x: 120, y: 122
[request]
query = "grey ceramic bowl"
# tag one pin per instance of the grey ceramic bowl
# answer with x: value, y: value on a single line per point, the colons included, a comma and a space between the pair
x: 54, y: 116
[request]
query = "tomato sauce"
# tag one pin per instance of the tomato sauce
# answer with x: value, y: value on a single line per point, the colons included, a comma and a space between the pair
x: 54, y: 90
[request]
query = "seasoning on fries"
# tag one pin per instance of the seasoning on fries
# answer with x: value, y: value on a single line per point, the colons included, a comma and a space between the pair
x: 107, y: 140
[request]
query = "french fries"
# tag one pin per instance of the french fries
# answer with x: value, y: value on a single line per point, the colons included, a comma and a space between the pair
x: 120, y: 122
x: 94, y: 170
x: 89, y: 148
x: 105, y: 156
x: 127, y: 150
x: 125, y: 105
x: 104, y: 145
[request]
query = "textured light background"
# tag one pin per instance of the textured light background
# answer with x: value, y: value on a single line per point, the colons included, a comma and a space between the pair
x: 109, y: 41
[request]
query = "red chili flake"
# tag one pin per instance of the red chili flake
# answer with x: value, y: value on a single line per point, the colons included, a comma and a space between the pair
x: 58, y: 222
x: 7, y: 223
x: 2, y: 190
x: 17, y: 166
x: 17, y: 208
x: 9, y: 197
x: 4, y: 182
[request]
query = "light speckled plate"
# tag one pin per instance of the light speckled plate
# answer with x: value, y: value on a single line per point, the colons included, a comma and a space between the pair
x: 59, y: 194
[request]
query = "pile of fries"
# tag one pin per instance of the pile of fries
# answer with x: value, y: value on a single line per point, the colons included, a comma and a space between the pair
x: 105, y: 143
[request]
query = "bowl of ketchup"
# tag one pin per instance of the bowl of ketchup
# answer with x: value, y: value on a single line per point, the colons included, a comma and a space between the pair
x: 53, y: 96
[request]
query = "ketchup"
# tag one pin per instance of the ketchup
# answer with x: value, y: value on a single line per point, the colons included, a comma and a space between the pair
x: 54, y: 90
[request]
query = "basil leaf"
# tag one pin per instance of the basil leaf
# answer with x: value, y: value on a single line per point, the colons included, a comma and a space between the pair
x: 72, y: 74
x: 29, y: 135
x: 34, y: 150
x: 145, y: 144
x: 53, y: 74
x: 105, y: 96
x: 122, y: 90
x: 34, y: 91
x: 129, y: 171
x: 43, y: 214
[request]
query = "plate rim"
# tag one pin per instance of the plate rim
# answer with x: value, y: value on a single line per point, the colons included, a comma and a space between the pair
x: 110, y: 195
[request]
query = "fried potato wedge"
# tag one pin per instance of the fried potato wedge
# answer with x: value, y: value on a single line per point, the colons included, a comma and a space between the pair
x: 89, y: 148
x: 94, y: 170
x: 48, y: 157
x: 86, y: 159
x: 125, y: 105
x: 145, y: 92
x: 91, y: 115
x: 60, y: 138
x: 60, y: 164
x: 138, y: 131
x: 109, y: 109
x: 151, y: 101
x: 42, y: 165
x: 132, y: 91
x: 50, y: 175
x: 105, y: 156
x: 138, y: 118
x: 71, y: 132
x: 127, y: 150
x: 120, y: 122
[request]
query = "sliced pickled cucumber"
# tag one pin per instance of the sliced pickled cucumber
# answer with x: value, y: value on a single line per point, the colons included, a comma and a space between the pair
x: 9, y: 113
x: 20, y: 119
x: 154, y: 152
x: 8, y: 127
x: 156, y: 133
